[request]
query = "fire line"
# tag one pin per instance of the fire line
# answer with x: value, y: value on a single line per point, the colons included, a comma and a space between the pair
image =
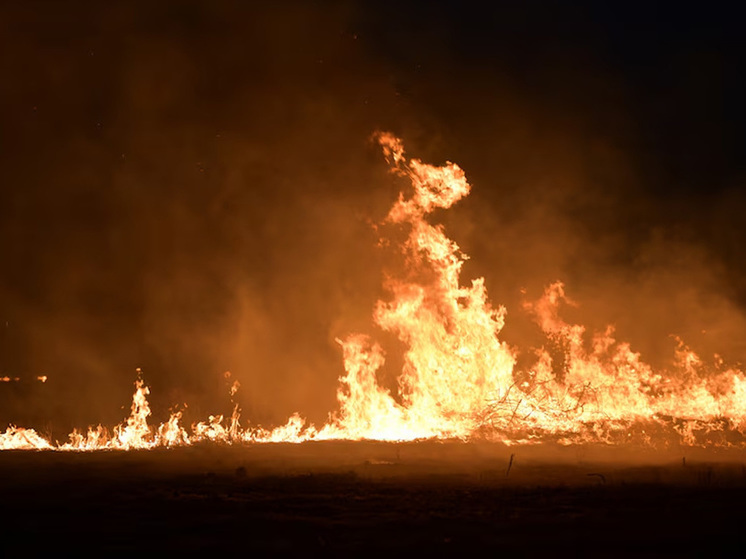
x: 459, y: 380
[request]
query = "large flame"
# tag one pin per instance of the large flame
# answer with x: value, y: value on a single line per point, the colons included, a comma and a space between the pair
x: 454, y: 364
x: 459, y: 380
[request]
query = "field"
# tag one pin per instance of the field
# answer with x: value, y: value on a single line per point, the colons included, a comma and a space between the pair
x: 352, y: 499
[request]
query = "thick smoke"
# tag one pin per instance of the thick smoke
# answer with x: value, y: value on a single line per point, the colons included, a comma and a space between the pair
x: 189, y: 188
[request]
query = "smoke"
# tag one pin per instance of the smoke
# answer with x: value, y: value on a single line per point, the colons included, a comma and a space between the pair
x: 189, y: 188
x: 608, y: 165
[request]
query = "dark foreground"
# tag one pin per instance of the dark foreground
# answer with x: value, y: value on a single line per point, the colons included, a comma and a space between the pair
x: 352, y: 499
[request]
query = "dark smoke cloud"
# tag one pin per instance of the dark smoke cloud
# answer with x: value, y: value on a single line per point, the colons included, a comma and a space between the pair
x: 188, y: 187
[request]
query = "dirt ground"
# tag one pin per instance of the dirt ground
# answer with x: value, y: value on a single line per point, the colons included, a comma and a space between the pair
x: 363, y: 499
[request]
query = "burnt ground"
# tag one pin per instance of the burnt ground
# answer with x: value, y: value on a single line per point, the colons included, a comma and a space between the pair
x: 352, y: 499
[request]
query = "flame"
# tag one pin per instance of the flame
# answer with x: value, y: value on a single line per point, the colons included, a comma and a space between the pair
x: 23, y: 439
x: 459, y: 380
x: 134, y: 432
x: 454, y: 363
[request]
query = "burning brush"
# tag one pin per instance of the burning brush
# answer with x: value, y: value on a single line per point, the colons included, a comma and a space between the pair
x: 459, y: 380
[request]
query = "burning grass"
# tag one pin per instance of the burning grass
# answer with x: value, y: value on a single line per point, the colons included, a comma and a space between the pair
x: 459, y: 380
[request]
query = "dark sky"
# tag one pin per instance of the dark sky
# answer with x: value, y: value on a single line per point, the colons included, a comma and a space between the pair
x: 188, y: 187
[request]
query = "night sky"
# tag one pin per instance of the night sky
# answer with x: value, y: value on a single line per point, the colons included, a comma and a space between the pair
x: 189, y: 187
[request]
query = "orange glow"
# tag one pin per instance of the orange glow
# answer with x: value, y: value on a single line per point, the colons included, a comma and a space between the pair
x: 459, y: 380
x: 23, y: 439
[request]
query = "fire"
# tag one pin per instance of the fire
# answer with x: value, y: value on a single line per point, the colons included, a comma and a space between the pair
x: 454, y: 363
x: 23, y: 439
x: 134, y: 432
x: 40, y: 378
x: 459, y: 380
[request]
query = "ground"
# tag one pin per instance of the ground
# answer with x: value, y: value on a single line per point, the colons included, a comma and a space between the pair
x: 352, y: 499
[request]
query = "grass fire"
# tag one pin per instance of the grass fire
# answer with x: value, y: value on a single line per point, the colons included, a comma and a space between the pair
x: 352, y: 279
x: 459, y: 380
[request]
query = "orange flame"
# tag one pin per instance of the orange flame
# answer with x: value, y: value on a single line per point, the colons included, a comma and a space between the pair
x: 459, y: 380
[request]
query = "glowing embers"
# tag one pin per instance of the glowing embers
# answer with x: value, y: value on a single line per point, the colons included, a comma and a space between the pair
x: 40, y: 378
